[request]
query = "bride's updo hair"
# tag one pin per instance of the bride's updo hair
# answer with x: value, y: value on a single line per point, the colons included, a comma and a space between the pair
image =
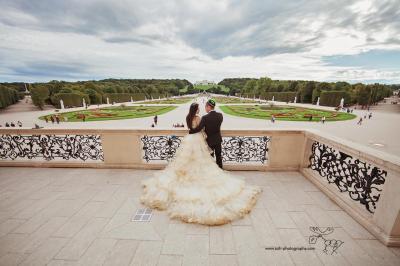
x: 192, y: 113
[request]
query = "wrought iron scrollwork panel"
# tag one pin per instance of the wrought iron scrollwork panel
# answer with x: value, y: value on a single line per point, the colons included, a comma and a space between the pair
x: 160, y: 148
x: 51, y: 147
x: 362, y: 181
x: 234, y: 149
x: 245, y: 149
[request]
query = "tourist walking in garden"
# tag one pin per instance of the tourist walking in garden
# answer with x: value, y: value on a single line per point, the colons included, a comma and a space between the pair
x: 19, y: 123
x: 155, y: 120
x: 323, y: 119
x: 46, y: 119
x: 57, y: 119
x: 52, y: 119
x: 360, y: 121
x: 272, y: 118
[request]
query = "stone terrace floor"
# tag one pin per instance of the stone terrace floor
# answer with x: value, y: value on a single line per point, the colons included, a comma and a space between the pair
x: 83, y: 217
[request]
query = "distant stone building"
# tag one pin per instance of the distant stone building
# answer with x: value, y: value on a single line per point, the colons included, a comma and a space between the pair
x: 205, y: 82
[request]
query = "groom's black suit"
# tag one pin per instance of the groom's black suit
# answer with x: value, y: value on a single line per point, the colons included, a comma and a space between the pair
x: 212, y: 124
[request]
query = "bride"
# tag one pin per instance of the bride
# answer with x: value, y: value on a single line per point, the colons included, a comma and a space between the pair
x: 194, y: 189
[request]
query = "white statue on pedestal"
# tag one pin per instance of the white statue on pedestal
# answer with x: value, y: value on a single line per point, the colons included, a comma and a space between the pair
x: 318, y: 101
x: 341, y: 103
x: 62, y: 104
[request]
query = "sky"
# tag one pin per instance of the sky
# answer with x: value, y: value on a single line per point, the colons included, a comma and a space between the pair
x: 330, y: 40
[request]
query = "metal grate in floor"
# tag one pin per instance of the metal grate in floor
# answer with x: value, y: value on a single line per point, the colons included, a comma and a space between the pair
x: 142, y: 215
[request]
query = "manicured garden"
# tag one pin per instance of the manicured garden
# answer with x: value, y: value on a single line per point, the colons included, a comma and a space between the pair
x: 286, y: 113
x: 225, y: 100
x: 112, y: 113
x: 207, y: 87
x: 169, y: 101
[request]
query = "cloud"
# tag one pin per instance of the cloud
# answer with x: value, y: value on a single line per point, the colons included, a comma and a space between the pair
x: 195, y: 39
x: 48, y: 69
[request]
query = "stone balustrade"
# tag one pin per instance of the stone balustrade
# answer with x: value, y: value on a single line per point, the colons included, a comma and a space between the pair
x: 362, y: 181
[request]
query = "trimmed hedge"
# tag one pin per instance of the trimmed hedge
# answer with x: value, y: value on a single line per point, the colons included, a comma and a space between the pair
x: 69, y: 99
x: 287, y: 96
x: 279, y: 96
x: 332, y: 98
x: 158, y: 95
x: 8, y: 97
x: 123, y: 97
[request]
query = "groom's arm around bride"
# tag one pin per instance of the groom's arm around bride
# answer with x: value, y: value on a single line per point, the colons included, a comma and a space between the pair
x: 211, y: 123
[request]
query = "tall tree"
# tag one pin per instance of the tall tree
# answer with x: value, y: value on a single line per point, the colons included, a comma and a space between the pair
x: 39, y: 95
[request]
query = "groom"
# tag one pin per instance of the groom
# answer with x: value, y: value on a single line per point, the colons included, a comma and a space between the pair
x: 212, y: 123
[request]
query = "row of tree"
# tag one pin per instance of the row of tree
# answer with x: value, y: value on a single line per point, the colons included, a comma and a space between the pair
x: 329, y: 93
x: 122, y: 90
x: 97, y: 92
x: 10, y: 94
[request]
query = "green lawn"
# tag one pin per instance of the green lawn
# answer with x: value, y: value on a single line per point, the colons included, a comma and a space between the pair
x: 286, y: 113
x: 170, y: 101
x: 114, y: 113
x: 207, y: 87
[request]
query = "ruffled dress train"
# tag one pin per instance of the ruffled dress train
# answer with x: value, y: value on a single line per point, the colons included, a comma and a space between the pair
x: 194, y: 189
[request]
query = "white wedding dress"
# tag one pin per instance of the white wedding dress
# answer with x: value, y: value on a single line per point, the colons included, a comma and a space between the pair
x: 194, y: 189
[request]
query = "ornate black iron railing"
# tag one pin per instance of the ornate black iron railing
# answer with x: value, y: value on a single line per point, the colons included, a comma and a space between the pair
x: 160, y: 148
x: 234, y: 149
x: 51, y: 147
x: 245, y: 149
x: 361, y: 180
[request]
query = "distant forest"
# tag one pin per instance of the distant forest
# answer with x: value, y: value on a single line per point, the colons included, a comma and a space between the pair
x: 123, y: 90
x: 330, y: 93
x: 97, y: 92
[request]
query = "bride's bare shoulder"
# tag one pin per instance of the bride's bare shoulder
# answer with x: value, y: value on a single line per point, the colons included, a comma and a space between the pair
x: 196, y: 121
